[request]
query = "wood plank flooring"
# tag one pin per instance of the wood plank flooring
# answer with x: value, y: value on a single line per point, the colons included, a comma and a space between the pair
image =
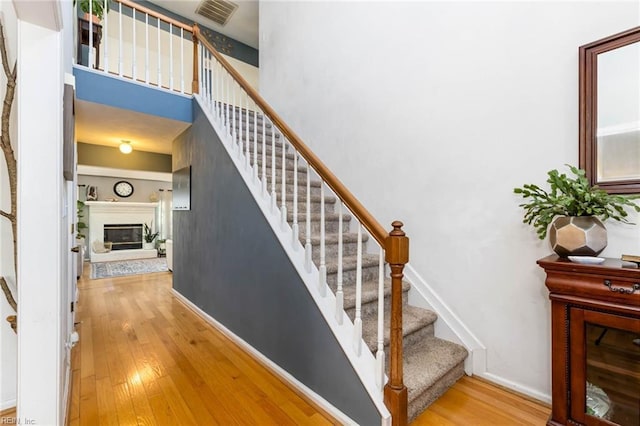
x: 144, y: 358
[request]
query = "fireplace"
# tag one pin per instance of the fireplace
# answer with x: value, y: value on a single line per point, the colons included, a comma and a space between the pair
x: 124, y: 236
x: 104, y: 216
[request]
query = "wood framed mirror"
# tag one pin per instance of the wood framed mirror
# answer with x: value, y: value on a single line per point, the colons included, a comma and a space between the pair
x: 610, y: 112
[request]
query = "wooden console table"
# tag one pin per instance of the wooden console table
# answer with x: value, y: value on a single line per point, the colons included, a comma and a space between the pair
x: 595, y: 318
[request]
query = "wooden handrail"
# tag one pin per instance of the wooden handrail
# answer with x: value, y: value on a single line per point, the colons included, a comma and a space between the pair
x: 376, y: 230
x: 155, y: 14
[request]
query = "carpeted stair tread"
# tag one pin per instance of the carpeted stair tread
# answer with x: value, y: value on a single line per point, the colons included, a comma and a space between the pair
x: 332, y: 238
x: 426, y: 362
x: 369, y: 292
x: 315, y: 217
x: 413, y: 319
x: 350, y: 262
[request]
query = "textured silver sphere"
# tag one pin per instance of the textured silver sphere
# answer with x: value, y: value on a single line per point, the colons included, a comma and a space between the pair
x: 577, y: 236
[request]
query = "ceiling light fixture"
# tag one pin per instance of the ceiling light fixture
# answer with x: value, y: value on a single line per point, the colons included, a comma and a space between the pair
x: 125, y: 147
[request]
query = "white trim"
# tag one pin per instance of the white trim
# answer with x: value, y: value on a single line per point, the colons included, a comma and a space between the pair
x: 526, y: 390
x: 617, y: 129
x: 448, y: 326
x: 364, y: 364
x: 123, y: 173
x: 9, y: 403
x: 266, y: 362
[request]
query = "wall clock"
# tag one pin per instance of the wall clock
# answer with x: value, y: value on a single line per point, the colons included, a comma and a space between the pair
x: 123, y: 189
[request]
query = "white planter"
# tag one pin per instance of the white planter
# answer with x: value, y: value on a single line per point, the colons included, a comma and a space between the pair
x: 148, y: 246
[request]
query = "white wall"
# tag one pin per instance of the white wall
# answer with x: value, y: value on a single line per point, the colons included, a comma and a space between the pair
x: 8, y: 339
x: 454, y: 104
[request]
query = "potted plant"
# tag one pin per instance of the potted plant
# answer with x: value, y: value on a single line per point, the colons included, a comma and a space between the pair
x: 96, y: 8
x: 575, y: 210
x: 149, y: 237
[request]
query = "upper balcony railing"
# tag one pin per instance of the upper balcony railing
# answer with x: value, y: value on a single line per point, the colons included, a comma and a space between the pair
x: 140, y: 44
x: 137, y: 43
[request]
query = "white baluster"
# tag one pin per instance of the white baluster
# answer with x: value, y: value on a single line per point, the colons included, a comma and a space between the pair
x: 159, y: 57
x: 205, y: 80
x: 120, y: 65
x: 90, y: 58
x: 227, y: 105
x: 264, y: 155
x: 283, y: 208
x: 218, y: 87
x: 133, y: 47
x: 105, y: 38
x: 146, y: 48
x: 380, y: 353
x: 274, y: 202
x: 170, y: 56
x: 308, y: 250
x: 255, y: 143
x: 201, y: 80
x: 322, y: 281
x: 357, y: 323
x: 234, y: 125
x: 294, y: 227
x: 246, y: 134
x: 339, y: 292
x: 181, y: 60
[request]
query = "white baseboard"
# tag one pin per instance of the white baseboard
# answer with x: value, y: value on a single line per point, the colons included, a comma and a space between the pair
x: 267, y: 363
x: 9, y: 403
x: 526, y: 390
x: 448, y: 326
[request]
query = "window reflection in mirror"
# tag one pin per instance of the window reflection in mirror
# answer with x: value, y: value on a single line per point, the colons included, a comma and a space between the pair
x: 610, y: 112
x: 618, y: 114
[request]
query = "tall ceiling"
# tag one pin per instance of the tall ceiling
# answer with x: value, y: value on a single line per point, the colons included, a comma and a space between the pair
x: 242, y: 26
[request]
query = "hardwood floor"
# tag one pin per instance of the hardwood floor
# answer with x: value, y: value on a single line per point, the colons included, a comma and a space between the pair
x: 144, y: 358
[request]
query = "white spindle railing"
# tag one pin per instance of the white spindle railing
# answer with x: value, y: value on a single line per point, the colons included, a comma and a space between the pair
x: 308, y: 249
x: 339, y: 291
x: 295, y: 234
x: 340, y: 248
x: 125, y: 30
x: 357, y: 322
x: 380, y: 352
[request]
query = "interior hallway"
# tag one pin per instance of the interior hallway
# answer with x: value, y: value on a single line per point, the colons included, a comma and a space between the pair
x: 145, y: 358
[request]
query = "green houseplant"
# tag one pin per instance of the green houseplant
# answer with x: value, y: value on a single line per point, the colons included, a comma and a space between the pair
x: 149, y: 236
x: 574, y: 204
x: 96, y: 8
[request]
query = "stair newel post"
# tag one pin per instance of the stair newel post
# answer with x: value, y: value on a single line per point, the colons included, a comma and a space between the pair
x: 395, y: 392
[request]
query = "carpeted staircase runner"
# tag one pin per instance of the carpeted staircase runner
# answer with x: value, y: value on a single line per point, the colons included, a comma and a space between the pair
x: 431, y: 365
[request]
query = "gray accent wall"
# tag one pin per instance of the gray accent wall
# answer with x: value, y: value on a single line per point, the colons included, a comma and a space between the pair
x: 228, y: 262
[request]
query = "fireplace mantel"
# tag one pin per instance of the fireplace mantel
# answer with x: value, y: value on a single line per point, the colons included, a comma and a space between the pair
x: 118, y: 212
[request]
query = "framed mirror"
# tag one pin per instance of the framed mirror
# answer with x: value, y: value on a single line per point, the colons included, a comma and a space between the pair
x: 610, y: 112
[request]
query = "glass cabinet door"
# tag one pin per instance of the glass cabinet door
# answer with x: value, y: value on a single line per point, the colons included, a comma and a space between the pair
x: 605, y: 368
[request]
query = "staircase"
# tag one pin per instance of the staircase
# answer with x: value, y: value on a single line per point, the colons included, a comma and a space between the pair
x: 431, y: 365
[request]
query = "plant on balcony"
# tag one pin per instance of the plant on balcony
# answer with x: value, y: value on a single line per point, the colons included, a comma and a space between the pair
x: 96, y: 8
x: 10, y: 160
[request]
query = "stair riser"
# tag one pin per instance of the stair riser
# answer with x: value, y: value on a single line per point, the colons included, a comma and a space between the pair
x: 369, y: 273
x: 252, y: 132
x: 371, y: 307
x: 422, y: 401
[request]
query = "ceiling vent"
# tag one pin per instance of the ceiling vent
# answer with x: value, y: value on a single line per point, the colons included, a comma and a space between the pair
x: 219, y: 11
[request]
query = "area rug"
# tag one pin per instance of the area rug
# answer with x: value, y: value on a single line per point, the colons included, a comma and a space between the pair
x: 128, y: 267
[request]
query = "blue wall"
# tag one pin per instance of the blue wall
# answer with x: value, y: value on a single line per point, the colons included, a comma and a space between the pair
x: 103, y: 89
